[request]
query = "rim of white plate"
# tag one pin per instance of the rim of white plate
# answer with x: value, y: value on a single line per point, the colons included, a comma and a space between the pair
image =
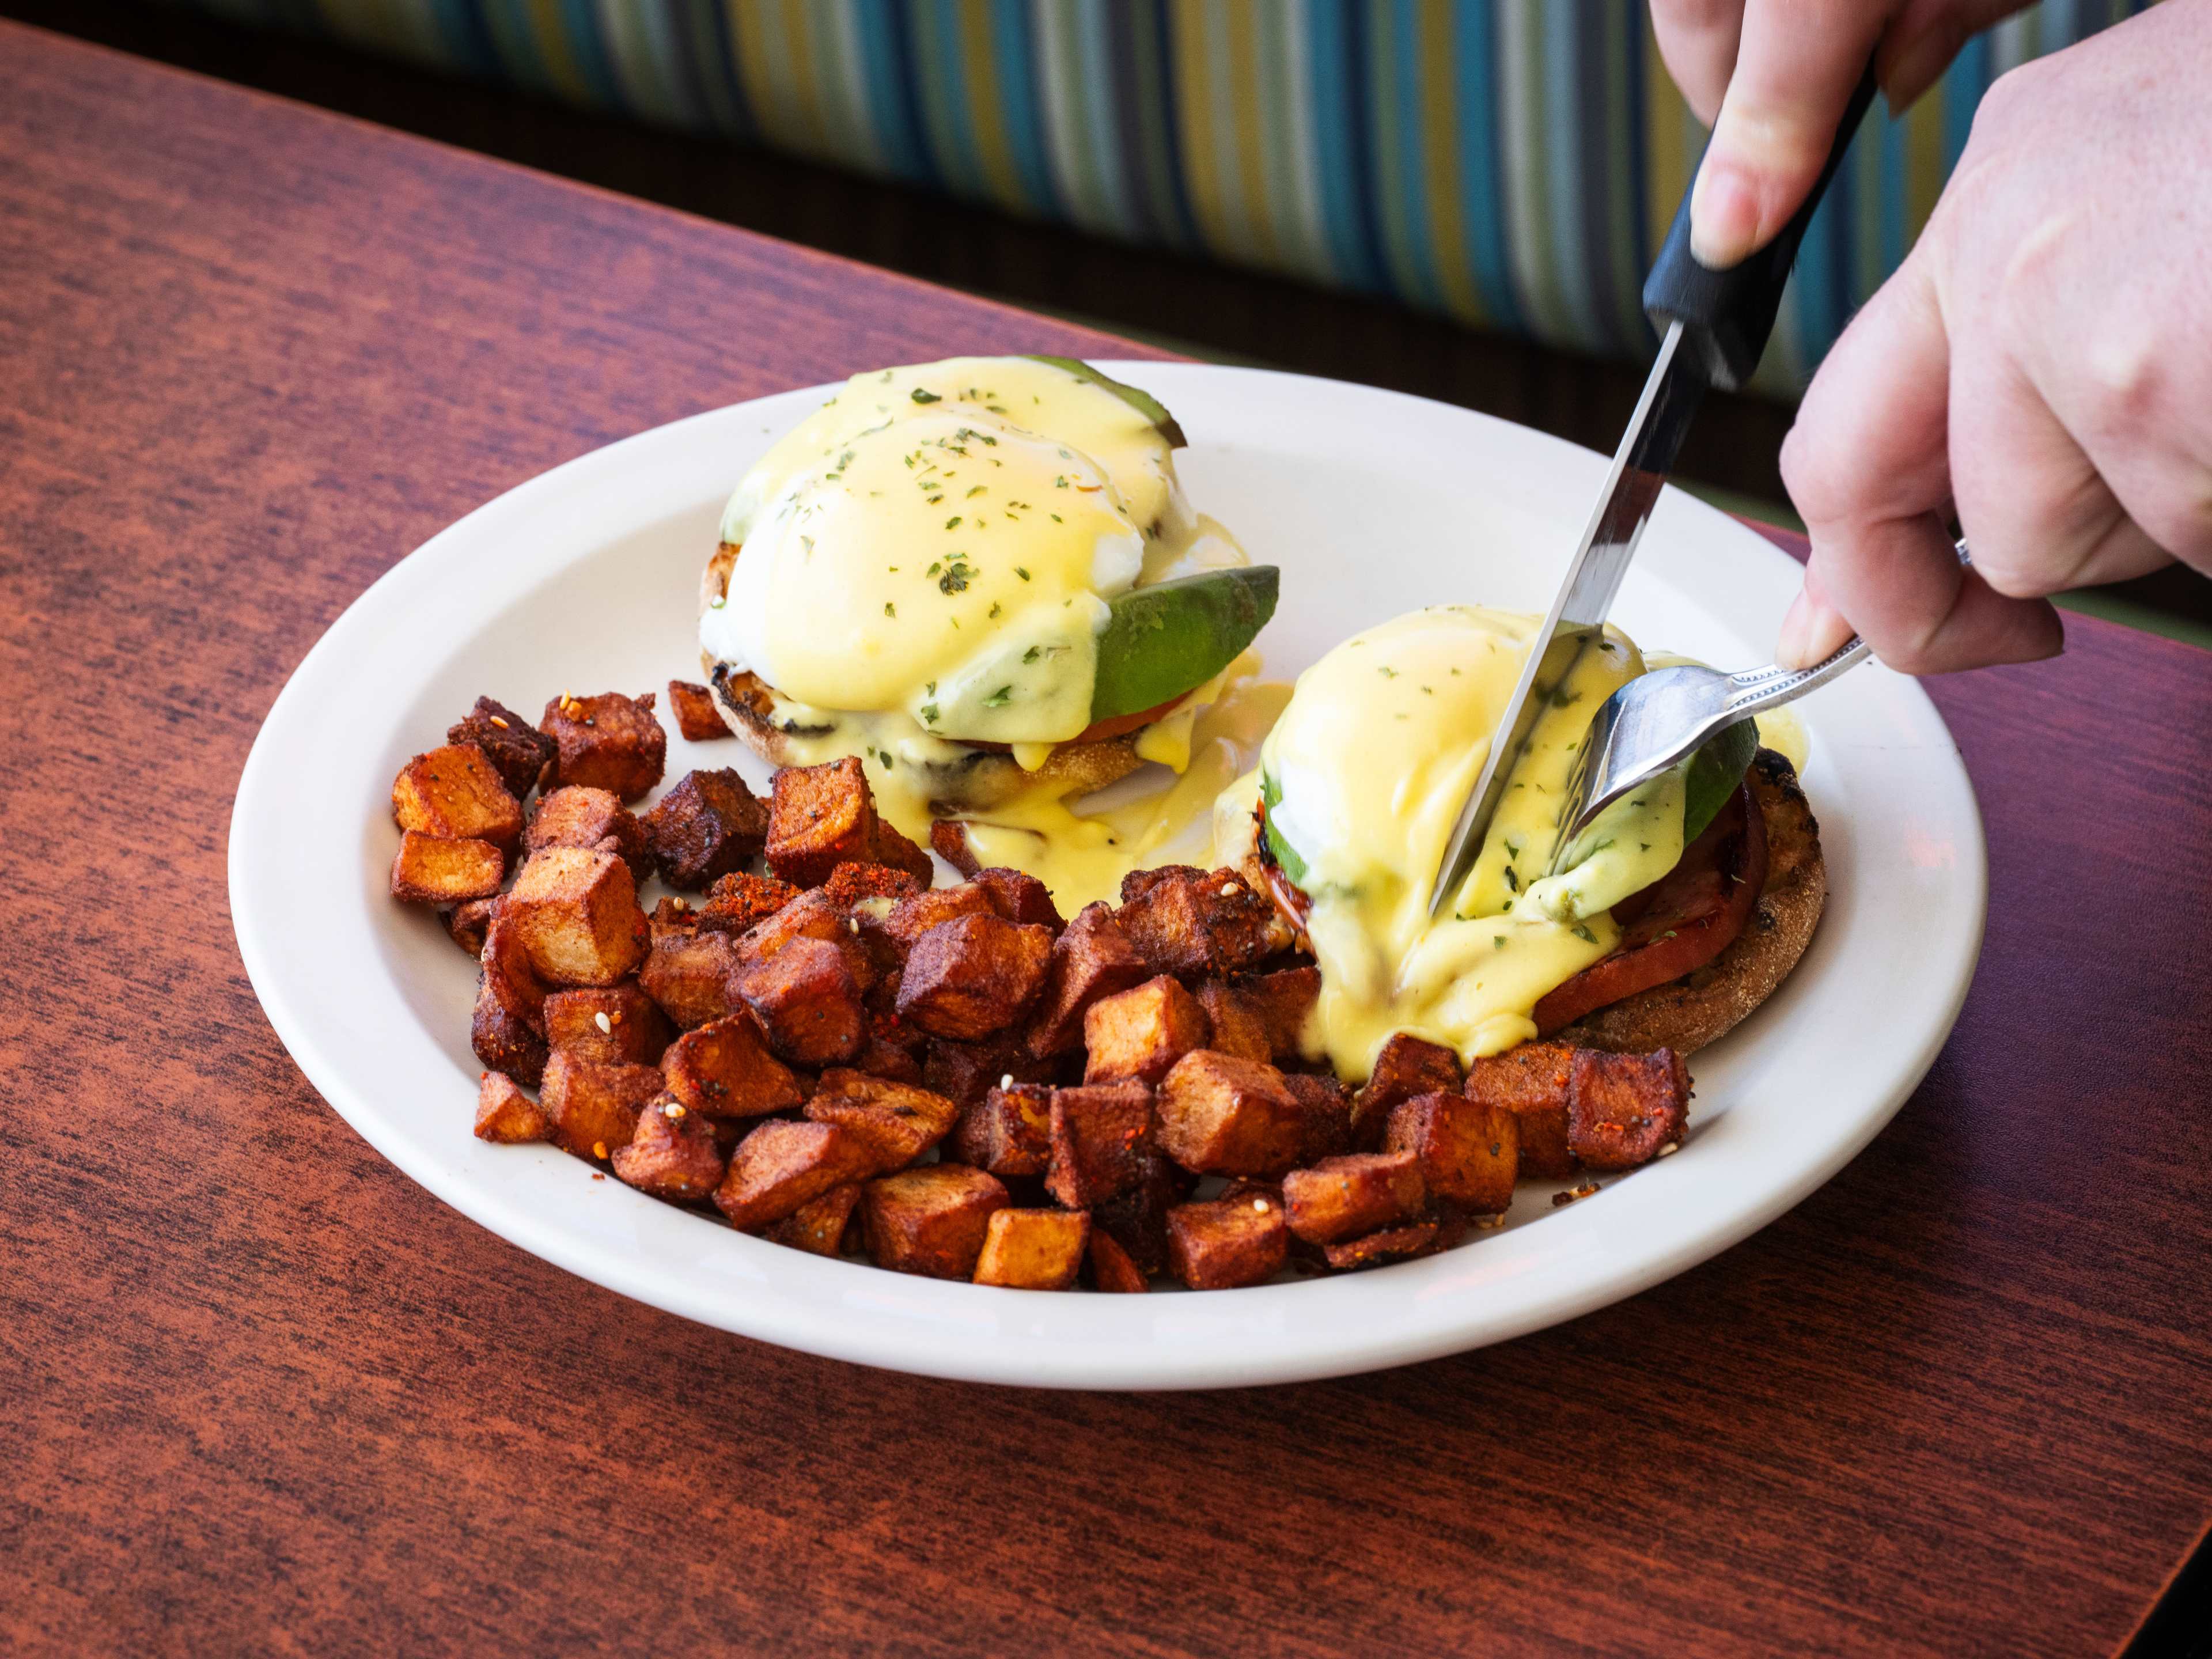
x: 1785, y: 1102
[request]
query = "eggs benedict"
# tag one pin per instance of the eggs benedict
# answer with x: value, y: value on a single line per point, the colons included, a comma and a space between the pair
x: 982, y: 578
x: 1624, y: 941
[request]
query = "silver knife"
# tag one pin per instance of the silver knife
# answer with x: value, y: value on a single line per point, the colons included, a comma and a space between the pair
x: 1717, y: 324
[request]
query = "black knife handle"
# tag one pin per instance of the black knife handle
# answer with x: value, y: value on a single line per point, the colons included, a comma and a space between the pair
x: 1726, y: 315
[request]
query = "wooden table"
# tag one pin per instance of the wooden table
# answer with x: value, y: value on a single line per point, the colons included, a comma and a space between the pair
x: 258, y: 1391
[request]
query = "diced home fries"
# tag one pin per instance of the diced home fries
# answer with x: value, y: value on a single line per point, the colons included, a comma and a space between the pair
x: 834, y: 1055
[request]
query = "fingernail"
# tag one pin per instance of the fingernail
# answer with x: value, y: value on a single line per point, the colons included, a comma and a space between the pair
x: 1810, y: 631
x: 1724, y: 217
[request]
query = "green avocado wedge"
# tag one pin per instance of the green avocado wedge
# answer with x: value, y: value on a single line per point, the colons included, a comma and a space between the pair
x: 1715, y: 770
x: 1143, y: 402
x: 1162, y: 640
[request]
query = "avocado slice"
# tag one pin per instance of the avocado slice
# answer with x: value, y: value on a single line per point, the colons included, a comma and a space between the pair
x: 1715, y: 770
x: 1286, y: 855
x: 1143, y: 402
x: 1162, y: 640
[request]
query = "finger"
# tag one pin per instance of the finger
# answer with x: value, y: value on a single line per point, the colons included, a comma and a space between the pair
x: 1927, y: 35
x: 1866, y: 464
x: 1796, y: 68
x: 2038, y: 513
x: 1697, y: 42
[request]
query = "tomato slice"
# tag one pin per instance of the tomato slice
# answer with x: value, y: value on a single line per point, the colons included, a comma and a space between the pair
x: 1678, y: 923
x: 1098, y: 731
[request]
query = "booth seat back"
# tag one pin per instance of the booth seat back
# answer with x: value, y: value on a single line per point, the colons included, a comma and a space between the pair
x: 1510, y: 163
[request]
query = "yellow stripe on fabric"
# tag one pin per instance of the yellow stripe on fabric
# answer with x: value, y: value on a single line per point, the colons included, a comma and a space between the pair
x: 757, y: 56
x: 558, y: 51
x: 1248, y: 131
x: 803, y: 61
x: 1923, y: 159
x: 1671, y: 137
x: 1194, y: 110
x: 987, y: 114
x: 1440, y: 157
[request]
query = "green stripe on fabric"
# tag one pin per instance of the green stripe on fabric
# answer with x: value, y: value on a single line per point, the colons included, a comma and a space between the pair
x: 1336, y: 85
x: 1395, y: 49
x: 1520, y: 110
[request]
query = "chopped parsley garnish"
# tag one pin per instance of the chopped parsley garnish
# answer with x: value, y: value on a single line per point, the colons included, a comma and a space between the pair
x: 1000, y: 698
x: 1033, y: 654
x: 1023, y: 574
x: 953, y: 523
x: 929, y: 713
x: 921, y: 397
x: 890, y: 609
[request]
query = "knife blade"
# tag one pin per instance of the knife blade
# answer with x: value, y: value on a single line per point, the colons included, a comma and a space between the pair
x: 1671, y: 394
x: 1717, y: 325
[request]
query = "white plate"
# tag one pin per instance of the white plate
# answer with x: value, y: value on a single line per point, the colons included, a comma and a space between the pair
x: 1372, y: 503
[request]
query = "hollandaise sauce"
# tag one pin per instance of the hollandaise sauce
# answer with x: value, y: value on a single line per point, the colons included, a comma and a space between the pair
x: 1363, y: 777
x: 926, y: 563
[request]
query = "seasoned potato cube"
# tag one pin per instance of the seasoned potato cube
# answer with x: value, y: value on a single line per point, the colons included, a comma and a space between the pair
x: 673, y: 915
x: 1187, y: 921
x: 811, y: 916
x: 1341, y: 1198
x: 738, y: 903
x: 1092, y: 959
x: 1020, y: 897
x: 433, y: 870
x: 690, y: 975
x: 1102, y: 1137
x: 949, y: 838
x: 723, y: 1070
x: 518, y: 750
x: 973, y: 975
x: 964, y: 1072
x: 1404, y: 1067
x: 1532, y: 1082
x: 1283, y: 1000
x: 932, y: 1220
x: 1623, y: 1110
x: 916, y: 914
x: 1470, y: 1151
x: 506, y: 1114
x: 511, y: 976
x: 455, y: 794
x: 1010, y: 1133
x: 502, y: 1039
x: 591, y: 818
x: 593, y: 1107
x: 1324, y: 1116
x: 1033, y: 1250
x: 468, y: 922
x: 899, y: 1121
x: 671, y: 1154
x: 696, y: 717
x: 1226, y: 1243
x: 807, y: 1002
x: 1233, y: 1019
x: 1409, y: 1238
x: 782, y: 1164
x: 1221, y: 1116
x: 891, y: 1051
x: 817, y: 1226
x: 1113, y: 1270
x: 1137, y: 1216
x: 608, y: 742
x: 707, y: 827
x: 614, y: 1024
x: 1142, y: 1032
x: 575, y: 915
x: 821, y: 817
x: 872, y: 885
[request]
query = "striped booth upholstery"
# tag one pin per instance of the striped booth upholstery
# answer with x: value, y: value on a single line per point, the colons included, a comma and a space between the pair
x: 1512, y: 163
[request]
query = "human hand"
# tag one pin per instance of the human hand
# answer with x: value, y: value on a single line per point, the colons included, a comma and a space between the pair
x: 2039, y: 364
x: 1772, y: 78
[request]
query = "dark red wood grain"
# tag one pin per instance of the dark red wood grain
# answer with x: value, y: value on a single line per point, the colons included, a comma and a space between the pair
x: 259, y: 1392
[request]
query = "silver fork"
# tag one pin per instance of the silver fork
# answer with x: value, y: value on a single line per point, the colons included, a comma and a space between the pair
x: 1652, y: 722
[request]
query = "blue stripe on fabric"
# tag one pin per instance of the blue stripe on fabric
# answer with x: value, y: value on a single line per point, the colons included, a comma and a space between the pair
x: 1182, y: 228
x: 887, y: 58
x: 467, y: 41
x: 1562, y: 164
x: 594, y: 57
x: 1013, y: 31
x: 1481, y: 158
x: 1413, y: 155
x: 1964, y: 83
x: 1893, y: 190
x: 1823, y: 260
x: 1341, y: 173
x: 945, y: 74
